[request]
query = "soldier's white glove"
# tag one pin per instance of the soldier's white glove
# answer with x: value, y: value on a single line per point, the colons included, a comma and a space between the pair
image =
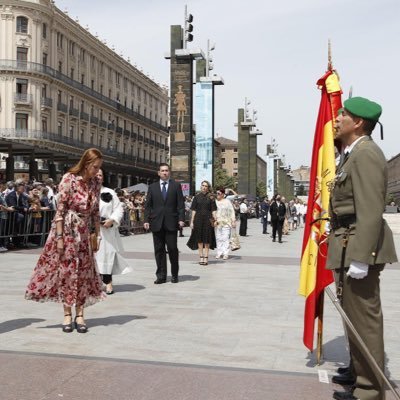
x: 327, y: 228
x: 357, y: 270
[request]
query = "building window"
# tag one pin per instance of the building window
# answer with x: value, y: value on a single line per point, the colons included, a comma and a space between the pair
x: 101, y: 89
x: 92, y: 84
x: 223, y: 150
x: 82, y: 135
x: 22, y: 54
x: 71, y: 75
x: 44, y: 91
x: 22, y: 25
x: 235, y: 150
x: 71, y: 102
x: 60, y: 67
x: 60, y: 128
x: 82, y: 55
x: 60, y: 40
x: 59, y: 96
x: 82, y: 106
x: 44, y: 59
x: 83, y: 79
x: 72, y: 48
x: 223, y: 160
x: 44, y: 125
x: 235, y: 160
x: 71, y: 131
x: 21, y: 121
x: 22, y: 86
x: 44, y: 31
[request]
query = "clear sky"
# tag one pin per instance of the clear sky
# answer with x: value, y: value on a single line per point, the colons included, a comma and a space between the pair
x: 270, y: 52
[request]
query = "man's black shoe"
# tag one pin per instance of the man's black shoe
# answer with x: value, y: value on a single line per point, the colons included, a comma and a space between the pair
x: 181, y: 235
x: 158, y: 281
x: 174, y: 279
x: 343, y: 370
x: 344, y: 396
x: 273, y: 240
x: 344, y: 379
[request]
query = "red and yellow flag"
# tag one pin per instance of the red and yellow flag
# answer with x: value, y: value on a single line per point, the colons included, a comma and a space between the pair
x: 313, y: 275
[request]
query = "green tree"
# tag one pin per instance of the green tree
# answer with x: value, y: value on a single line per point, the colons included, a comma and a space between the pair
x: 261, y: 189
x: 221, y: 178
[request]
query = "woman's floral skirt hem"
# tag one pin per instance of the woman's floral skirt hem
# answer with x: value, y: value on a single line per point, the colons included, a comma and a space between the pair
x: 90, y: 300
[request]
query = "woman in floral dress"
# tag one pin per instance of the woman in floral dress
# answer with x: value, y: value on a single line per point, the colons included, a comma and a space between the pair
x: 66, y: 272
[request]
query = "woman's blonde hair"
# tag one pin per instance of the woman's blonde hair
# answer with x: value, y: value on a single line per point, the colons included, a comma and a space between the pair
x: 88, y: 157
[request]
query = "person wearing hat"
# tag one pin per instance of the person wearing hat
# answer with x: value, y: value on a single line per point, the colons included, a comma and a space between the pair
x: 356, y: 206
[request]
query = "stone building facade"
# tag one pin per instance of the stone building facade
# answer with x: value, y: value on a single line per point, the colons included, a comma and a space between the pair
x: 394, y: 178
x: 62, y: 90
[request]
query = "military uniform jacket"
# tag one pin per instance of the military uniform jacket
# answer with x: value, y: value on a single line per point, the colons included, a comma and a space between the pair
x: 360, y: 189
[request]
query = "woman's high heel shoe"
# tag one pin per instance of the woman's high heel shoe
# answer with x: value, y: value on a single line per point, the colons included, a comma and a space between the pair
x: 67, y: 328
x: 205, y: 262
x: 80, y: 328
x: 201, y: 262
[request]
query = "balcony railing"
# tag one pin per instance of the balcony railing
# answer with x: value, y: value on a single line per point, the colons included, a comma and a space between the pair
x: 46, y: 102
x: 140, y: 137
x: 118, y: 129
x: 23, y: 98
x: 127, y: 133
x: 94, y: 120
x: 32, y: 135
x: 111, y: 127
x: 84, y: 116
x: 103, y: 124
x: 14, y: 65
x: 74, y: 112
x: 62, y: 107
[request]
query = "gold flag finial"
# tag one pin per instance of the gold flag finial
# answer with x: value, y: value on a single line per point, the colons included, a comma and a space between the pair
x: 330, y: 67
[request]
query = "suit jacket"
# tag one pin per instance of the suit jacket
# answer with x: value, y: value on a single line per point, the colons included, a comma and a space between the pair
x: 11, y: 200
x: 277, y: 212
x: 360, y: 189
x: 264, y: 207
x: 164, y: 214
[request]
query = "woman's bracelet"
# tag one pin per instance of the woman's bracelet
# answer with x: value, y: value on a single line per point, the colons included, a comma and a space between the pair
x: 59, y: 235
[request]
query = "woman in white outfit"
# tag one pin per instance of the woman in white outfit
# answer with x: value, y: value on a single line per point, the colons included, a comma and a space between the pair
x: 225, y: 220
x: 108, y: 259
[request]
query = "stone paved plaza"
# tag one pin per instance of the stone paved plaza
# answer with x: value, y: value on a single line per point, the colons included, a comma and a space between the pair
x: 229, y: 330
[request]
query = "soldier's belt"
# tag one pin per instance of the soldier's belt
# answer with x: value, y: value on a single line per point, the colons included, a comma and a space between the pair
x: 342, y: 221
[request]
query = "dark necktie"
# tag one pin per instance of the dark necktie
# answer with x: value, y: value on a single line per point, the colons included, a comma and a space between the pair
x: 164, y: 190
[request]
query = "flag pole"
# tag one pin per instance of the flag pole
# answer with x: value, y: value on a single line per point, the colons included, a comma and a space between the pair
x: 320, y: 312
x: 320, y: 304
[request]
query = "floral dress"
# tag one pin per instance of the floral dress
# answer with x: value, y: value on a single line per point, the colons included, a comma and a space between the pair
x: 72, y: 278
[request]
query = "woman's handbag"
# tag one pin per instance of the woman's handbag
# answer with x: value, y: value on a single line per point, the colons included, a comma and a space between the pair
x: 94, y: 243
x: 235, y: 243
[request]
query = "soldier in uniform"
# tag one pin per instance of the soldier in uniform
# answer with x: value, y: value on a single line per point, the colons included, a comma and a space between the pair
x: 360, y: 241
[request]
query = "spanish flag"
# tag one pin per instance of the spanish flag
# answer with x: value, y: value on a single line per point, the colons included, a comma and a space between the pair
x: 313, y: 275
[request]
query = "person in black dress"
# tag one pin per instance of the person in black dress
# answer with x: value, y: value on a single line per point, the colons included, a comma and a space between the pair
x: 202, y: 223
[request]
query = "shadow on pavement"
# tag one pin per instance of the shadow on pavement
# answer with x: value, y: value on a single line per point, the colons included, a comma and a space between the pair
x: 183, y: 278
x: 128, y: 288
x: 13, y: 324
x: 333, y: 351
x: 113, y: 320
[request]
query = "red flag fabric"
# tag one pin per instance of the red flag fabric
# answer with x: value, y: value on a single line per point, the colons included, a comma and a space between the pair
x: 313, y: 275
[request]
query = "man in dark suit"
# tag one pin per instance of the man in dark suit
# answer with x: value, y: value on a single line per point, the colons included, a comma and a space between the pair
x: 264, y: 206
x: 18, y: 201
x: 278, y: 212
x: 164, y: 213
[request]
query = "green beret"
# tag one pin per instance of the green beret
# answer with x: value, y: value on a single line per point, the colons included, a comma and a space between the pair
x: 363, y: 108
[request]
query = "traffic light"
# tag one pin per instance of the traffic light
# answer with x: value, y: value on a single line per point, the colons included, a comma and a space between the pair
x: 188, y: 28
